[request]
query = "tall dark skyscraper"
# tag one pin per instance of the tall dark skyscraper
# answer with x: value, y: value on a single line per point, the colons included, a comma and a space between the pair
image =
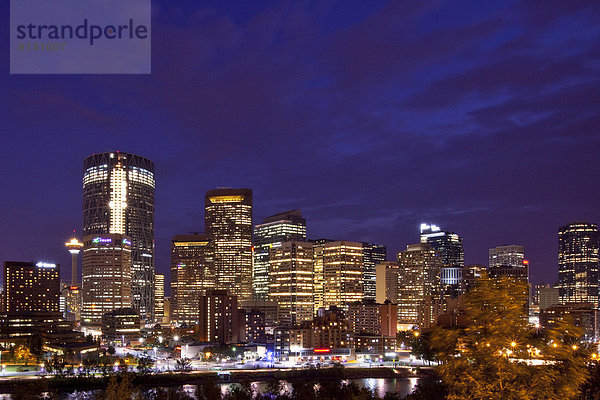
x: 274, y: 230
x: 373, y: 254
x: 578, y: 263
x: 118, y: 198
x: 228, y: 223
x: 450, y: 247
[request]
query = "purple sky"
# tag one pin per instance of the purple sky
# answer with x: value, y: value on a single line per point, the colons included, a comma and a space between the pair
x: 481, y: 117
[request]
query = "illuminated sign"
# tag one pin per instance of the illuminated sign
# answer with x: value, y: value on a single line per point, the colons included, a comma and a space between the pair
x: 127, y: 242
x: 525, y: 262
x: 226, y: 199
x: 322, y: 350
x: 101, y: 240
x: 45, y: 265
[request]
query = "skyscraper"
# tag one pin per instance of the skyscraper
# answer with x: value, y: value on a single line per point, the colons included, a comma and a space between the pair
x: 450, y: 247
x: 228, y: 223
x: 31, y: 287
x: 278, y: 228
x: 219, y: 320
x: 578, y: 263
x: 291, y: 281
x: 192, y: 273
x: 387, y: 281
x: 319, y: 282
x: 118, y: 198
x: 419, y: 289
x: 342, y: 273
x: 507, y: 255
x: 159, y: 297
x: 106, y: 283
x: 373, y: 254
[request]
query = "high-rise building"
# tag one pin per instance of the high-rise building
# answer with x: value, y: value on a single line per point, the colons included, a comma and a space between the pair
x: 159, y: 297
x: 121, y: 325
x: 31, y: 287
x: 118, y: 198
x: 342, y: 273
x: 192, y: 273
x: 228, y: 223
x: 274, y: 230
x: 219, y: 321
x: 387, y: 281
x: 319, y: 282
x: 507, y: 255
x: 419, y: 273
x: 373, y: 254
x: 450, y: 247
x: 578, y: 262
x: 74, y: 246
x: 106, y: 275
x: 291, y: 281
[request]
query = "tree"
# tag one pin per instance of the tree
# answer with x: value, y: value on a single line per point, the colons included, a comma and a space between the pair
x: 144, y: 365
x: 487, y: 359
x: 209, y: 390
x: 119, y: 388
x: 183, y: 365
x: 111, y: 350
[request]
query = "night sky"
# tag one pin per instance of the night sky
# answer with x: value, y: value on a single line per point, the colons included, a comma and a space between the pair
x: 372, y: 117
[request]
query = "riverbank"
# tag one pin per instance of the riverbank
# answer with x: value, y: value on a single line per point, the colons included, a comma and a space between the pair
x: 200, y: 377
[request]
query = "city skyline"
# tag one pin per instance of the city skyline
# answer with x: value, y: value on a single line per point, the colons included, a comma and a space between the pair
x: 371, y: 118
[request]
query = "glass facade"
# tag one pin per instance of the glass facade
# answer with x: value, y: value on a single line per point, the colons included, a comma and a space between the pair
x: 373, y: 254
x: 118, y: 198
x: 192, y: 273
x: 450, y: 247
x: 228, y: 223
x: 342, y: 273
x: 578, y: 262
x: 273, y: 231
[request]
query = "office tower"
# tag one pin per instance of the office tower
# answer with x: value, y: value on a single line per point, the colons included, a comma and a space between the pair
x: 507, y: 255
x: 121, y: 326
x: 106, y: 277
x: 268, y: 308
x: 159, y: 297
x: 450, y: 247
x: 192, y: 273
x: 70, y: 302
x: 219, y: 321
x: 578, y: 260
x: 470, y: 275
x: 228, y: 223
x: 118, y: 198
x: 342, y: 273
x: 387, y: 281
x: 291, y: 281
x: 31, y: 287
x: 373, y: 254
x: 548, y: 296
x: 419, y: 274
x: 318, y: 285
x: 275, y: 229
x: 74, y: 247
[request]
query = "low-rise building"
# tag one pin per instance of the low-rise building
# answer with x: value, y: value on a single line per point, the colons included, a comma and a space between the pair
x: 121, y: 325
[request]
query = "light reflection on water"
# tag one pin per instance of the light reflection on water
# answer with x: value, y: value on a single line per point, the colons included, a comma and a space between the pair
x: 402, y: 386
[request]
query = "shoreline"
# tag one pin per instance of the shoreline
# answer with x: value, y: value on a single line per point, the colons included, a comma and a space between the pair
x: 69, y: 384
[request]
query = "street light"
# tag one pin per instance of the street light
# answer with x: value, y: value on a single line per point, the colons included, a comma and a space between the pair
x: 160, y: 339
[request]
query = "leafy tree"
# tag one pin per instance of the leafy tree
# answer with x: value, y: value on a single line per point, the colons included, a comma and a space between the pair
x: 183, y: 365
x: 111, y: 350
x: 487, y: 360
x: 144, y: 365
x: 119, y: 388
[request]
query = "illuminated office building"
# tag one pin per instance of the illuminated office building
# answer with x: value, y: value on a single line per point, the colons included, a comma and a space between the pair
x: 274, y: 230
x: 291, y: 281
x: 319, y: 279
x: 342, y: 273
x: 373, y: 254
x: 228, y: 223
x: 578, y: 260
x: 118, y: 198
x: 419, y: 276
x: 31, y: 287
x: 219, y: 320
x: 450, y: 247
x: 70, y: 302
x: 387, y: 281
x: 159, y: 297
x: 106, y: 277
x: 507, y: 255
x: 192, y: 273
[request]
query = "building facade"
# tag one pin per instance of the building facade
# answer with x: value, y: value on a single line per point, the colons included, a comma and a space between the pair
x: 121, y: 325
x: 219, y: 320
x: 342, y: 273
x: 578, y: 262
x: 106, y: 275
x: 450, y: 247
x: 192, y: 273
x: 228, y: 223
x: 291, y: 281
x: 274, y: 230
x: 373, y: 254
x: 118, y: 198
x: 419, y: 271
x: 159, y: 297
x: 387, y: 281
x: 31, y: 287
x: 506, y: 255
